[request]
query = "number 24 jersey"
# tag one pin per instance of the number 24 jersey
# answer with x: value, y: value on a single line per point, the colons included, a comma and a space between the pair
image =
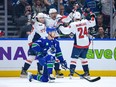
x: 80, y: 31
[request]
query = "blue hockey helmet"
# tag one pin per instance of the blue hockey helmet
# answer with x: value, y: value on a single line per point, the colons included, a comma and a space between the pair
x: 50, y: 29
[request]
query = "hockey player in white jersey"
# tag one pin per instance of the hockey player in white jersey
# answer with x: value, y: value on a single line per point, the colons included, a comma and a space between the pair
x: 51, y: 20
x: 38, y: 31
x: 81, y: 42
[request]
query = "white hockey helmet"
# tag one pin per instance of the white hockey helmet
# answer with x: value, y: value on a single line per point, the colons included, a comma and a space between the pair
x: 40, y: 15
x: 52, y: 10
x: 77, y: 15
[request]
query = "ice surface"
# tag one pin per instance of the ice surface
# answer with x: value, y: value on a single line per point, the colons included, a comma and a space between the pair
x: 60, y: 82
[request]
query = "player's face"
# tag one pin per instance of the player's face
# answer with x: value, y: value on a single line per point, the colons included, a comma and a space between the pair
x: 52, y: 34
x: 41, y: 20
x: 53, y: 15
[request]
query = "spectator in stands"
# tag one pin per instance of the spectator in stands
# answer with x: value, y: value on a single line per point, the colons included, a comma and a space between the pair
x: 20, y: 8
x: 93, y: 5
x: 62, y: 10
x: 24, y: 22
x: 101, y: 34
x: 2, y: 33
x: 69, y: 7
x: 48, y: 4
x: 100, y: 23
x: 25, y: 17
x: 106, y: 10
x: 25, y: 31
x: 55, y: 4
x: 39, y: 6
x: 114, y: 34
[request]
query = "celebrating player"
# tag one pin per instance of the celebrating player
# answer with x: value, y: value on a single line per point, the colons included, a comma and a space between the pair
x: 47, y: 50
x: 38, y: 30
x: 81, y: 42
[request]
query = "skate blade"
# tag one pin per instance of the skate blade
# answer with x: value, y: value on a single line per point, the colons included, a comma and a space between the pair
x: 51, y: 81
x: 88, y: 77
x: 23, y: 76
x: 59, y: 76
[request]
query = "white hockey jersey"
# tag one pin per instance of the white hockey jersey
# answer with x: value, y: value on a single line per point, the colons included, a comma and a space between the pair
x: 80, y: 29
x: 38, y: 30
x: 50, y: 22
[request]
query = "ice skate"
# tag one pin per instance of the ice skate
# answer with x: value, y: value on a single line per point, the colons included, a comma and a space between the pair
x: 86, y: 75
x: 51, y: 78
x: 59, y: 74
x: 30, y: 77
x: 23, y: 73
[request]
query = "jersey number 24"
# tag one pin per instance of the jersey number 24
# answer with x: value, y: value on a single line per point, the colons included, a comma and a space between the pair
x: 82, y: 32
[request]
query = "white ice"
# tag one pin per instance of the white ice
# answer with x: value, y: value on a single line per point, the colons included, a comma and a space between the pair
x: 60, y: 82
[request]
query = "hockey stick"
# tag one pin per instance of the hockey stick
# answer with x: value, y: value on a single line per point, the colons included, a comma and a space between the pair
x: 90, y: 80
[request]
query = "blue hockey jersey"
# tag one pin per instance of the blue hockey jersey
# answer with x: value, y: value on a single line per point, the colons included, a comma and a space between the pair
x: 42, y: 46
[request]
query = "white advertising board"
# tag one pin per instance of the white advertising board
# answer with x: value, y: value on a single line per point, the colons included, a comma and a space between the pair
x: 13, y: 53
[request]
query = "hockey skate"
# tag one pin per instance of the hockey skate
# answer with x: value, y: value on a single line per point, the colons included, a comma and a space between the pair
x: 86, y: 75
x: 23, y: 73
x: 30, y: 77
x: 59, y: 74
x: 70, y: 76
x: 51, y: 78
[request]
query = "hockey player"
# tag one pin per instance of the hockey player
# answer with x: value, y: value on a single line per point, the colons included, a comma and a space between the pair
x: 47, y: 49
x: 38, y: 31
x: 63, y: 27
x: 81, y: 42
x: 51, y: 20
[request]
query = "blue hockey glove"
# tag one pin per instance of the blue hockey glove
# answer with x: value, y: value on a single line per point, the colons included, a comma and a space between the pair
x: 64, y: 64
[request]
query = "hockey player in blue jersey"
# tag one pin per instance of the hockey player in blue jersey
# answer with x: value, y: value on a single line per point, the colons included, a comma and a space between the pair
x: 47, y: 49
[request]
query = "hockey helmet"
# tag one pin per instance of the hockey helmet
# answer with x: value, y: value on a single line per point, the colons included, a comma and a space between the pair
x: 40, y: 15
x: 52, y: 10
x: 50, y: 29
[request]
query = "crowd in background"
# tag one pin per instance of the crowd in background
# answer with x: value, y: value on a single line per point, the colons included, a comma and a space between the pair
x: 23, y: 11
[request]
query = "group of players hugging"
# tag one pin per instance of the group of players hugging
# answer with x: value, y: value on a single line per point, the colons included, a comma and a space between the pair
x: 44, y: 46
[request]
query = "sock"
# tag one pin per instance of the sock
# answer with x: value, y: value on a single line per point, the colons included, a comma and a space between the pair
x: 37, y: 77
x: 49, y: 68
x: 39, y: 67
x: 57, y: 65
x: 85, y: 68
x: 26, y: 66
x: 72, y: 68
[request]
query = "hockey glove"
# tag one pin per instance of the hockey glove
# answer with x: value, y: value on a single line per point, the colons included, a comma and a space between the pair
x: 64, y: 64
x: 92, y: 15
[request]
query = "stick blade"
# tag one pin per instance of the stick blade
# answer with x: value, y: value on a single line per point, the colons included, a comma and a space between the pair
x: 94, y: 80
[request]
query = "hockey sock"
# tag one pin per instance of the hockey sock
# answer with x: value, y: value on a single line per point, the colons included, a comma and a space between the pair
x: 85, y: 68
x: 26, y: 66
x: 85, y: 65
x: 39, y: 67
x: 57, y: 65
x: 49, y: 68
x: 72, y: 68
x: 37, y: 77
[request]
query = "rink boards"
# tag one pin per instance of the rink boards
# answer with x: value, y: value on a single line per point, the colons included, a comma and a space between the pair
x: 102, y: 61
